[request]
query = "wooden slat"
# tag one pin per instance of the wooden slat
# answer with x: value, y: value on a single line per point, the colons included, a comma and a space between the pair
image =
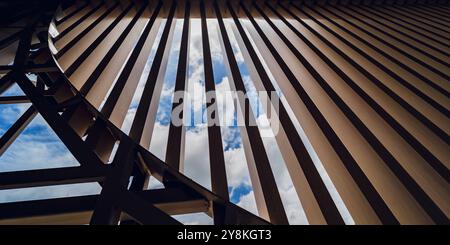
x: 175, y: 146
x: 268, y: 199
x: 219, y: 183
x: 316, y: 200
x: 139, y: 123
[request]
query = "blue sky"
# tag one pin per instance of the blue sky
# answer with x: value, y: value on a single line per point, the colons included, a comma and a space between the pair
x: 44, y: 149
x: 37, y: 147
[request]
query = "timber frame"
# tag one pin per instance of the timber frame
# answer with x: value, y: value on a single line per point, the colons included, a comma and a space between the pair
x: 90, y: 136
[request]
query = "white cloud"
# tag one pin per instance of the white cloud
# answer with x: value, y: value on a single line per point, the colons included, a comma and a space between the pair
x: 197, y: 156
x: 237, y: 51
x: 285, y: 186
x: 214, y: 41
x: 14, y: 90
x: 225, y: 102
x: 37, y: 149
x: 248, y: 203
x: 48, y: 192
x: 154, y: 183
x: 10, y: 113
x: 158, y: 144
x: 236, y: 167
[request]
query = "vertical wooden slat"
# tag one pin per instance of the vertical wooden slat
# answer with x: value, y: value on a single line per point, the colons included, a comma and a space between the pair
x: 73, y: 16
x: 98, y: 48
x: 375, y: 149
x: 386, y: 51
x: 61, y: 41
x: 79, y: 39
x: 398, y: 18
x: 432, y: 152
x: 304, y: 174
x: 120, y: 110
x: 269, y: 200
x: 352, y: 166
x: 219, y: 183
x: 106, y: 58
x: 85, y: 14
x: 175, y: 150
x: 150, y: 120
x: 429, y: 20
x: 123, y: 79
x: 139, y: 121
x: 372, y: 131
x: 388, y: 78
x: 410, y: 47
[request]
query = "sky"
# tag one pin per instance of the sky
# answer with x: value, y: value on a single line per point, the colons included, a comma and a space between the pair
x: 44, y: 150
